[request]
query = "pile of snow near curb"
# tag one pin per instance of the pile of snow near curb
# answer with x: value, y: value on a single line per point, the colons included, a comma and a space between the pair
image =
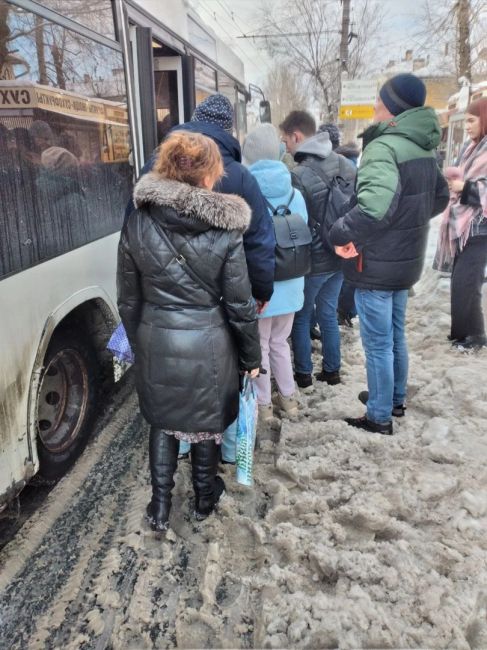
x: 347, y: 539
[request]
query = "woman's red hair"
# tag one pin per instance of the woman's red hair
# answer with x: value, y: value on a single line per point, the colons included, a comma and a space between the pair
x: 189, y: 158
x: 479, y: 109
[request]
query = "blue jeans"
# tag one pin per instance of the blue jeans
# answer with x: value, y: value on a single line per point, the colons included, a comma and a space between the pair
x: 184, y: 447
x: 382, y: 316
x: 321, y: 291
x: 229, y: 444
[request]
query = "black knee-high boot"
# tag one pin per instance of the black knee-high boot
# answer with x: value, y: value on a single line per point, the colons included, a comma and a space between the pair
x: 163, y: 459
x: 208, y: 487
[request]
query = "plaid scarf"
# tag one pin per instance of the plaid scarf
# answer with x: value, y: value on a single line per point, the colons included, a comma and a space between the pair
x: 458, y: 220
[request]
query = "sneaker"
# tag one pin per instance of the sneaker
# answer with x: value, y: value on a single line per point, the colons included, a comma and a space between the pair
x: 398, y: 411
x: 384, y: 428
x: 265, y: 413
x: 332, y: 378
x: 303, y: 380
x: 288, y: 405
x: 314, y: 334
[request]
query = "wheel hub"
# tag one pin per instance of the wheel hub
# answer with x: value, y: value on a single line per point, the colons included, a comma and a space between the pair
x: 62, y: 400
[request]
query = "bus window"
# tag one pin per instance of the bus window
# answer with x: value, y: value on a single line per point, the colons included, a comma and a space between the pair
x: 95, y: 14
x: 205, y: 81
x: 64, y: 172
x: 227, y: 87
x: 241, y: 117
x: 166, y: 92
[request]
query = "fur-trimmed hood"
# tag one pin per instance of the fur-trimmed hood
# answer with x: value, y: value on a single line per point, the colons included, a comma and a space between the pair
x: 226, y: 211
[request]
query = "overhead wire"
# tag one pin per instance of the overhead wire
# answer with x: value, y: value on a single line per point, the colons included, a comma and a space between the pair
x: 218, y: 21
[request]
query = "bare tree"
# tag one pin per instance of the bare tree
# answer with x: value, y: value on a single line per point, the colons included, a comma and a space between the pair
x: 65, y: 59
x: 286, y: 90
x: 460, y: 35
x: 306, y: 36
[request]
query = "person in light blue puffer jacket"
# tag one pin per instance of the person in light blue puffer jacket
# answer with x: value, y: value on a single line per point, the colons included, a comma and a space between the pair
x: 261, y: 153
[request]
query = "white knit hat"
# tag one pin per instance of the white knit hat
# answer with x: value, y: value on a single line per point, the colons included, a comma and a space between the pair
x: 262, y: 143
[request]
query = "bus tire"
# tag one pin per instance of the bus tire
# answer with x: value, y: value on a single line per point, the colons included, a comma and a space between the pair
x: 66, y: 402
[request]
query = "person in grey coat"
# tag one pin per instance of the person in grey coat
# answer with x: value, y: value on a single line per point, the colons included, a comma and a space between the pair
x: 317, y: 165
x: 185, y: 300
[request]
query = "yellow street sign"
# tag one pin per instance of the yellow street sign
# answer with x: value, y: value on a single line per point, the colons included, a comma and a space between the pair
x: 356, y: 112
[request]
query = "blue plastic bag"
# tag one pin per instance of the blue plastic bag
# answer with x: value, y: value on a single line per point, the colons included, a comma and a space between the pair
x: 119, y: 345
x: 246, y: 429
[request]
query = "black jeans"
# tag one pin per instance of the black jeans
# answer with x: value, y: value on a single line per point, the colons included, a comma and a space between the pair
x: 467, y: 279
x: 346, y: 300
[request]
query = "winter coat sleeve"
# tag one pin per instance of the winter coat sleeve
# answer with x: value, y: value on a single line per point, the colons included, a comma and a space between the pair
x: 442, y: 193
x: 128, y: 289
x: 259, y: 240
x: 377, y: 198
x: 313, y: 190
x: 239, y: 305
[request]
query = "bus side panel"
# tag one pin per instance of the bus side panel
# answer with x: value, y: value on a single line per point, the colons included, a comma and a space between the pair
x: 48, y: 293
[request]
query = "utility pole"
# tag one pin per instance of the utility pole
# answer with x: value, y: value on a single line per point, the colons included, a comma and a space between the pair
x: 464, y: 55
x: 344, y: 41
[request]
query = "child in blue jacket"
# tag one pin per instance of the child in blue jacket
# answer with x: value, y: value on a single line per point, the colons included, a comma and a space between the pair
x: 261, y: 153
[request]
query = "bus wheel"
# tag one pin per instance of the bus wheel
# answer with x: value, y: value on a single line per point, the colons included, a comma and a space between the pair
x: 66, y: 402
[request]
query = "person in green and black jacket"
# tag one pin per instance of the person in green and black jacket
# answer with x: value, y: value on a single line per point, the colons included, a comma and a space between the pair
x: 383, y: 237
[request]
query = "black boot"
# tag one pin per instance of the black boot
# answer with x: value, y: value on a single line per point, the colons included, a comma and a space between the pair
x: 208, y: 487
x: 163, y: 458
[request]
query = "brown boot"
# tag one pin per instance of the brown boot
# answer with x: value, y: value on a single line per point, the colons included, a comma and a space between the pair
x: 288, y: 405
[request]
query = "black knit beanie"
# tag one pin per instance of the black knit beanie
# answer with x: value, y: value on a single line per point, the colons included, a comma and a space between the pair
x: 402, y: 92
x: 333, y: 132
x: 215, y: 109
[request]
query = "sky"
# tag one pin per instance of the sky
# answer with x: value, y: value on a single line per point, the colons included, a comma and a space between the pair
x: 233, y: 18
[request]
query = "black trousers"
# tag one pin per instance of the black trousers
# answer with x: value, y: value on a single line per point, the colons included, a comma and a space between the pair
x: 467, y: 279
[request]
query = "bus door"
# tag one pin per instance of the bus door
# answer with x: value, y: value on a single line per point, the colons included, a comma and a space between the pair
x: 158, y: 77
x: 168, y: 82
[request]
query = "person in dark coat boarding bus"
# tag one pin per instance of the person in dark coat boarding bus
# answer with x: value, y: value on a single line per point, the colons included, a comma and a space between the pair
x: 214, y: 118
x: 185, y: 300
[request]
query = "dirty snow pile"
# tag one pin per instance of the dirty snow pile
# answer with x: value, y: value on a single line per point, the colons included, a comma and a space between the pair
x: 348, y: 539
x: 355, y: 540
x: 371, y: 541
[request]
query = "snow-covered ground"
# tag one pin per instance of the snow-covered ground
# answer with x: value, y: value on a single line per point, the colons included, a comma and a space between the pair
x: 348, y: 539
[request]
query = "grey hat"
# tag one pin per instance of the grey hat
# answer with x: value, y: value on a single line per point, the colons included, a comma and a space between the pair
x: 262, y: 143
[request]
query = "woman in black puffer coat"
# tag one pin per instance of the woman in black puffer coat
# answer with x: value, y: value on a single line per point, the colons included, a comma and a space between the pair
x: 190, y: 318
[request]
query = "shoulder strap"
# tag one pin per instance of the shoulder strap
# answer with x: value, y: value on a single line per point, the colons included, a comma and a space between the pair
x: 330, y: 173
x: 290, y: 198
x: 183, y: 262
x: 270, y: 206
x: 275, y: 210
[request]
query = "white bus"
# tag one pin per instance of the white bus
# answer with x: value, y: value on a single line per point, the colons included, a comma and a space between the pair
x: 87, y: 89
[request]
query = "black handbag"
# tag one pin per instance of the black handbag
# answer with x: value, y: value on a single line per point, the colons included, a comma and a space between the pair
x: 293, y: 243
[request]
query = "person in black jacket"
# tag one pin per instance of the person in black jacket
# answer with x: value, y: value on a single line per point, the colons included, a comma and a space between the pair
x: 317, y: 165
x: 185, y: 301
x: 213, y: 117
